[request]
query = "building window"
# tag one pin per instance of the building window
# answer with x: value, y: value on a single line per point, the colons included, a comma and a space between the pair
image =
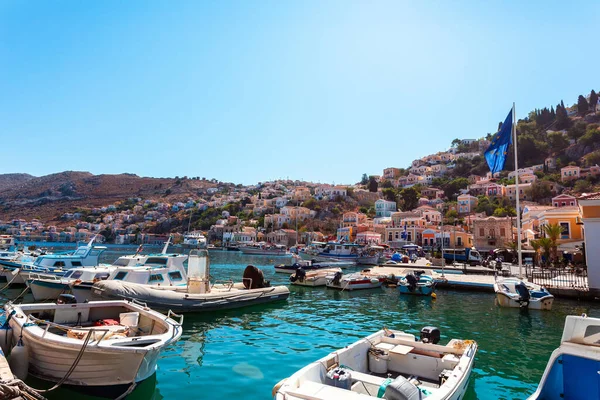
x: 481, y: 232
x: 502, y: 231
x: 492, y: 233
x: 566, y: 233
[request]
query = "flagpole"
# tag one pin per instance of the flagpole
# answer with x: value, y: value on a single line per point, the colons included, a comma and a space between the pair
x: 514, y: 133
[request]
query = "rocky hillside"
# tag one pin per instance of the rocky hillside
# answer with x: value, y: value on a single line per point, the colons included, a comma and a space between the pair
x: 49, y: 196
x: 13, y: 180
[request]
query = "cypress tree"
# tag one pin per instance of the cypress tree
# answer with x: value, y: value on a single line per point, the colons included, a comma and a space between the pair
x: 562, y: 119
x: 582, y: 106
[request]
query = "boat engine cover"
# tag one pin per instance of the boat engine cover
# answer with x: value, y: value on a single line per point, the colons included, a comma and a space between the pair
x: 430, y: 334
x: 254, y: 278
x: 402, y: 389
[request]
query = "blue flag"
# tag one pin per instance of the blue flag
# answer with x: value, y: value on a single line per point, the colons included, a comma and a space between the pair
x: 495, y: 155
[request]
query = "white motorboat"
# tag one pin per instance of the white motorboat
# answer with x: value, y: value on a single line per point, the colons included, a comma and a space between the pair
x: 163, y: 288
x: 264, y: 249
x: 194, y: 240
x: 364, y: 279
x: 387, y: 364
x: 59, y: 263
x: 310, y: 265
x: 339, y: 251
x: 515, y: 293
x: 313, y: 278
x: 104, y: 345
x: 572, y: 370
x: 50, y: 287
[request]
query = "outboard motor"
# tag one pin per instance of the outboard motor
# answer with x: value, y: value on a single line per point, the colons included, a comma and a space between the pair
x: 254, y: 278
x: 412, y: 282
x: 524, y: 295
x: 299, y: 275
x: 66, y: 299
x: 337, y: 278
x: 430, y: 334
x: 402, y: 389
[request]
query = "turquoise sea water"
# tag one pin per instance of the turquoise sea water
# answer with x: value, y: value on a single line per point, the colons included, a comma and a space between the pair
x: 243, y: 353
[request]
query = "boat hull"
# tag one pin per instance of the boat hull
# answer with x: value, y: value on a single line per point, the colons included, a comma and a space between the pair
x: 44, y: 290
x: 260, y: 252
x: 311, y: 282
x: 418, y: 291
x: 358, y: 284
x: 544, y: 303
x: 180, y: 301
x: 12, y: 275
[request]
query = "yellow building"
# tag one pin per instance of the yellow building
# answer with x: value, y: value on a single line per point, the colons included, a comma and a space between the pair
x: 567, y: 218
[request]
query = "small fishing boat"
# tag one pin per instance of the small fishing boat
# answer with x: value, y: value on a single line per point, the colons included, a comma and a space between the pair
x: 387, y: 364
x: 572, y: 370
x: 50, y: 287
x: 190, y: 291
x: 194, y: 240
x: 311, y: 265
x: 340, y: 251
x: 58, y: 263
x: 355, y: 281
x: 312, y: 278
x: 515, y: 293
x: 264, y: 249
x: 104, y: 346
x: 416, y: 284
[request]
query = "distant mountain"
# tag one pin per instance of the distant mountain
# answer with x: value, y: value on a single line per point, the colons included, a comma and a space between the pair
x: 50, y: 196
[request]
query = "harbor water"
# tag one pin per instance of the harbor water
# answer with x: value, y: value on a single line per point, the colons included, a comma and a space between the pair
x: 242, y: 354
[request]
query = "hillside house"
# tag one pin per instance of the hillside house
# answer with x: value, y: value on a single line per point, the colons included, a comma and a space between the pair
x: 384, y: 208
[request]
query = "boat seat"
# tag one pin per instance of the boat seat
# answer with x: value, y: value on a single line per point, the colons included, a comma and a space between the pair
x: 385, y: 346
x: 318, y: 391
x: 402, y: 349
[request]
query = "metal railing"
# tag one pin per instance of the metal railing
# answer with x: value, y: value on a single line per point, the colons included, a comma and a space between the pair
x: 559, y: 278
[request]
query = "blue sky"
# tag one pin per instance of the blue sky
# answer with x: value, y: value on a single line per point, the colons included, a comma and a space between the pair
x: 247, y: 91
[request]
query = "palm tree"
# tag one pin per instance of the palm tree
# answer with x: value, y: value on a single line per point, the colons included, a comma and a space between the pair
x: 535, y: 244
x: 546, y: 244
x: 553, y: 232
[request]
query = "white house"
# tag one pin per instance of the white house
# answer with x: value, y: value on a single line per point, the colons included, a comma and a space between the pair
x: 384, y: 208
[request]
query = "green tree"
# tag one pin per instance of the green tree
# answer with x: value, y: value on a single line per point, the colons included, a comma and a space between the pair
x: 364, y: 180
x: 410, y: 198
x: 373, y: 185
x: 451, y: 216
x: 540, y: 192
x: 456, y: 142
x: 389, y: 194
x: 557, y: 142
x: 454, y: 186
x: 562, y: 119
x: 582, y: 186
x: 386, y: 184
x: 553, y: 232
x: 583, y: 106
x: 535, y: 245
x: 577, y: 130
x: 546, y: 246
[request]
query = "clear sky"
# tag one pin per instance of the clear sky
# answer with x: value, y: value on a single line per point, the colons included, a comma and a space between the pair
x: 246, y: 91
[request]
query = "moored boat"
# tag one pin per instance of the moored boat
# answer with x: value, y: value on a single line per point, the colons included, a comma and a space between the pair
x: 106, y: 345
x: 355, y: 281
x: 416, y: 284
x: 49, y: 287
x: 264, y: 249
x: 177, y: 290
x: 194, y: 240
x: 387, y: 364
x: 515, y: 293
x: 310, y: 265
x: 572, y: 370
x: 312, y: 278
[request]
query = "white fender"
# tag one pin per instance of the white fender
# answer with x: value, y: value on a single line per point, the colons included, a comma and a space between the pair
x: 19, y: 361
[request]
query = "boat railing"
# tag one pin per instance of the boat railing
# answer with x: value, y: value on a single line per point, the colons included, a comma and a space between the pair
x: 176, y: 325
x: 228, y: 282
x: 37, y: 276
x: 139, y: 303
x: 66, y: 328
